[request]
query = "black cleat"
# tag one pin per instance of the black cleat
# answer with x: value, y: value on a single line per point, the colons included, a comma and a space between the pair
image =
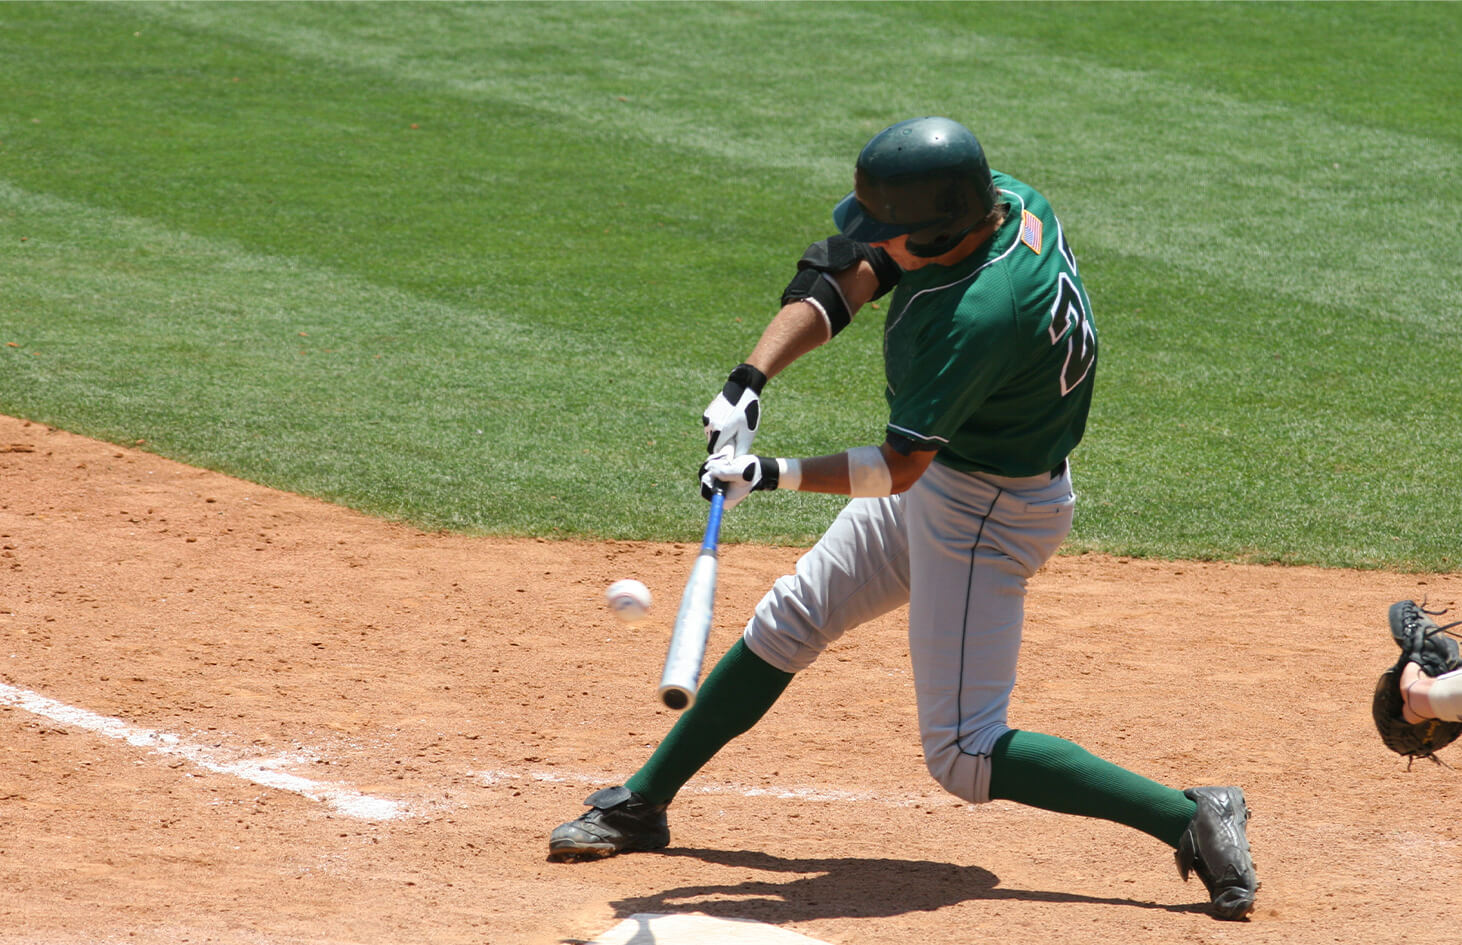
x: 1423, y: 642
x: 621, y: 821
x: 1216, y: 847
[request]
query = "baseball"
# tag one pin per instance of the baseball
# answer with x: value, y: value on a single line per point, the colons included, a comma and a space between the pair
x: 629, y: 599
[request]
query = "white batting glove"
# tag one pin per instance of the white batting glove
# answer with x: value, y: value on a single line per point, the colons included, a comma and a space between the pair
x: 741, y: 475
x: 731, y: 419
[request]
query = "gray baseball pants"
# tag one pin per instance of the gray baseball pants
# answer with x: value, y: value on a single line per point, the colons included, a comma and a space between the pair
x: 958, y: 548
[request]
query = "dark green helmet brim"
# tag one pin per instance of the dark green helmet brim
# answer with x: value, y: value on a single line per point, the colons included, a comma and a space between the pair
x: 855, y: 222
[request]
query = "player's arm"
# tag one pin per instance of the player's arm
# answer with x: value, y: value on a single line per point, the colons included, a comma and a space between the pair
x: 871, y: 471
x: 840, y: 473
x: 835, y: 278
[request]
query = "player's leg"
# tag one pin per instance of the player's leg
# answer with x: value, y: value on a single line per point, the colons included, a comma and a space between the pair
x: 857, y: 571
x: 1206, y: 826
x: 974, y: 543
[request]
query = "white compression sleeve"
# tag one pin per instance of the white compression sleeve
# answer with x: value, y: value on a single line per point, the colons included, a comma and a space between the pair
x: 868, y: 475
x: 789, y: 473
x: 1446, y: 696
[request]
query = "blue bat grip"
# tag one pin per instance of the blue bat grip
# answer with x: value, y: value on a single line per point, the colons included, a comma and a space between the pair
x: 713, y: 522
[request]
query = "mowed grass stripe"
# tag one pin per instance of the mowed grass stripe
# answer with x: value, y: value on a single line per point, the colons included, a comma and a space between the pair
x: 1279, y: 431
x: 642, y: 80
x: 1281, y: 198
x: 318, y: 381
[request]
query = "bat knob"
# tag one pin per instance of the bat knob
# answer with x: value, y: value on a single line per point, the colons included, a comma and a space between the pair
x: 675, y: 698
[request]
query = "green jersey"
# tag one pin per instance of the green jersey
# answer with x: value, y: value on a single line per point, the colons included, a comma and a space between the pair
x: 990, y: 361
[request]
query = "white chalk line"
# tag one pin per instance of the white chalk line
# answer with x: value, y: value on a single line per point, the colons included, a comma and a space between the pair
x: 352, y: 803
x: 261, y: 771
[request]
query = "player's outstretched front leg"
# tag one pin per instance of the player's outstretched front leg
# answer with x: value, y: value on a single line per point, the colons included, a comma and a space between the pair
x: 618, y: 821
x: 1216, y: 847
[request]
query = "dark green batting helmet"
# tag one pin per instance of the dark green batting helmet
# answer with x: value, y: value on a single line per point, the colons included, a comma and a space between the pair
x: 924, y: 175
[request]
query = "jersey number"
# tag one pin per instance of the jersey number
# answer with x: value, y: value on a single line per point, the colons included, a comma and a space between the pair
x: 1069, y: 322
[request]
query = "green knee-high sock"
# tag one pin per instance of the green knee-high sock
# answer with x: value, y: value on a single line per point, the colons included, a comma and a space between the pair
x: 737, y: 693
x: 1054, y: 774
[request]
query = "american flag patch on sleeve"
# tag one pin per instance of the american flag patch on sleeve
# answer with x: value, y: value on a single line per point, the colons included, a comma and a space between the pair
x: 1030, y: 231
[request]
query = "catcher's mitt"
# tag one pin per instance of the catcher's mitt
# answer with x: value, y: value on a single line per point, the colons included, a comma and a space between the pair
x: 1412, y: 739
x: 1423, y: 642
x: 1428, y: 646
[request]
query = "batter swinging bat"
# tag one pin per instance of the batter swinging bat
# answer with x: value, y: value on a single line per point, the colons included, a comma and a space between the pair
x: 693, y: 622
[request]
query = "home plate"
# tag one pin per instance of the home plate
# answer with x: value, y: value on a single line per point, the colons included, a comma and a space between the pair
x: 648, y: 928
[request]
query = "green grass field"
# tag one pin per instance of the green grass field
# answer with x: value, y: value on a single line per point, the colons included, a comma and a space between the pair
x: 480, y: 266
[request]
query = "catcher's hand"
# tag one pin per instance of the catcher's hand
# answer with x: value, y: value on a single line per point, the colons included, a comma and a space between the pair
x: 1411, y: 739
x: 1428, y: 646
x: 1423, y: 642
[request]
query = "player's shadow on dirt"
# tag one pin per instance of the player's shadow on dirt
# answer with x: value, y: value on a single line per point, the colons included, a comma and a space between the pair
x: 846, y: 887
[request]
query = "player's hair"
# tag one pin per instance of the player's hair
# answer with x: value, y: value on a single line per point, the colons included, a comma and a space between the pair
x: 998, y: 215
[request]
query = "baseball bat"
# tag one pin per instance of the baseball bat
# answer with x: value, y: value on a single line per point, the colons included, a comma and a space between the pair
x: 693, y: 622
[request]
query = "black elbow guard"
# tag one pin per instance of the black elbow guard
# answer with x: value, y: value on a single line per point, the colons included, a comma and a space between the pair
x: 837, y: 253
x: 819, y: 288
x: 814, y: 281
x: 833, y: 254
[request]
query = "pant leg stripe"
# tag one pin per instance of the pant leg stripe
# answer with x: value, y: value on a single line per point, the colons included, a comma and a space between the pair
x: 965, y: 622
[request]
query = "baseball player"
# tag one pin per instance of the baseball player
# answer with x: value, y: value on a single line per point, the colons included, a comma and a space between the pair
x: 989, y: 355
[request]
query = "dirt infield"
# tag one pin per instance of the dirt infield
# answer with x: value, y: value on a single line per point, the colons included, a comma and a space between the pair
x: 208, y: 685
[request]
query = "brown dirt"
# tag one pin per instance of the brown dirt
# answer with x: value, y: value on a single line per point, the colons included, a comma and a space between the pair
x: 482, y: 683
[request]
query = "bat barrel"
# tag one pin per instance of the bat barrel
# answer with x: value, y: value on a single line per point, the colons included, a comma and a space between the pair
x: 687, y: 650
